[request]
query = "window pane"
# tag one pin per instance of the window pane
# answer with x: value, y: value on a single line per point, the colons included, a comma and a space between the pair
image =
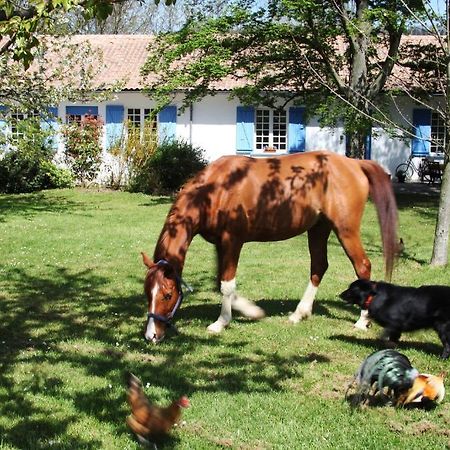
x: 134, y: 117
x: 150, y: 123
x: 262, y: 128
x: 16, y: 118
x: 438, y: 137
x: 279, y: 130
x: 270, y: 129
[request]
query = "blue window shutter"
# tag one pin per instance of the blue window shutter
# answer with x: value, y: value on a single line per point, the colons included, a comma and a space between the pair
x: 245, y: 128
x: 114, y: 124
x: 82, y: 110
x: 50, y: 123
x: 167, y: 119
x: 296, y: 129
x: 420, y: 145
x: 368, y: 146
x: 53, y: 112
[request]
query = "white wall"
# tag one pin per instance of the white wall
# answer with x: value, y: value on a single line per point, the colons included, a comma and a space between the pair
x: 212, y: 126
x: 318, y: 138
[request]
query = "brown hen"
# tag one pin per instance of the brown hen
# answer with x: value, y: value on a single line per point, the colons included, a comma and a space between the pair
x: 149, y: 422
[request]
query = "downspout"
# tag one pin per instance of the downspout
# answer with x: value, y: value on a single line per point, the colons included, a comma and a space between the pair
x: 191, y: 119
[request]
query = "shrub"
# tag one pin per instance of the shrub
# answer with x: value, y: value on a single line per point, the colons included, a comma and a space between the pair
x: 26, y: 172
x: 20, y: 172
x: 57, y: 177
x: 145, y: 180
x: 171, y: 165
x: 27, y: 166
x: 83, y: 149
x: 132, y: 153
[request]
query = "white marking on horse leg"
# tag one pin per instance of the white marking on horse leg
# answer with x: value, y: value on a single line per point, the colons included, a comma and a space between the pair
x: 304, y: 307
x: 363, y: 322
x: 150, y: 332
x: 247, y: 308
x: 228, y: 289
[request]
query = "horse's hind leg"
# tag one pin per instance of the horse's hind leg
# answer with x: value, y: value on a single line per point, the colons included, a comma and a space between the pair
x: 228, y: 256
x: 317, y: 243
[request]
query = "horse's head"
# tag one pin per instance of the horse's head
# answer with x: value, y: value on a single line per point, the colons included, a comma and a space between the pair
x: 164, y: 294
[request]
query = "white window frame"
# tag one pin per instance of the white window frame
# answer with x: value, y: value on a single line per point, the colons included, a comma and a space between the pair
x: 134, y: 116
x: 17, y: 116
x: 438, y: 135
x: 271, y: 133
x: 138, y: 117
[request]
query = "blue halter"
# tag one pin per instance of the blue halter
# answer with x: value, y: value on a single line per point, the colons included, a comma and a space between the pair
x: 180, y: 284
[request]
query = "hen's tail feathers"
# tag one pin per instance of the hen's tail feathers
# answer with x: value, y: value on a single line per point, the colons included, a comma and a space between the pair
x: 132, y: 380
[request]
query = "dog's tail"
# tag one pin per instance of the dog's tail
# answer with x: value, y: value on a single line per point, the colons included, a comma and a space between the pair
x: 383, y: 196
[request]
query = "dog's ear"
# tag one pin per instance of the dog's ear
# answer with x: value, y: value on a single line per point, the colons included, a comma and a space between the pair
x: 363, y: 289
x: 367, y: 286
x: 373, y: 288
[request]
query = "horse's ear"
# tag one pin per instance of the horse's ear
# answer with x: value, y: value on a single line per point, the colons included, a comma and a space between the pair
x: 147, y: 261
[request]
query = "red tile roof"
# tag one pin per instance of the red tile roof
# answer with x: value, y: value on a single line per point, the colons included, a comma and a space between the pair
x: 124, y: 55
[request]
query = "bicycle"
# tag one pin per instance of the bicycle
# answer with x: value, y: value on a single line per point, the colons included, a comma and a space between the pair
x: 406, y: 170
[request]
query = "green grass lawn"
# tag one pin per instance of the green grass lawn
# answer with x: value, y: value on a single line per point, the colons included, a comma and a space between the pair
x: 72, y: 317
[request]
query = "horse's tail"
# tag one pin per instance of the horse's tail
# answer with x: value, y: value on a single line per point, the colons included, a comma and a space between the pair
x: 383, y: 196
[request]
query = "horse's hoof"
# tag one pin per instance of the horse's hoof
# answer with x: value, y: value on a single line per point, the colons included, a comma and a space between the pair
x: 216, y: 327
x: 293, y: 318
x: 255, y: 313
x: 297, y: 317
x: 361, y: 325
x: 247, y: 308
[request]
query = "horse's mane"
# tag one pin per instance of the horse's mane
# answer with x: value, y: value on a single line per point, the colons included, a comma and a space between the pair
x: 178, y: 229
x: 164, y: 236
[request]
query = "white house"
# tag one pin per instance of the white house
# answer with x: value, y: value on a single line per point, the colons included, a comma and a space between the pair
x: 225, y: 127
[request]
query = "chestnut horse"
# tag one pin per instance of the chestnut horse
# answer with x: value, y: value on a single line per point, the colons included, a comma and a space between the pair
x: 239, y: 199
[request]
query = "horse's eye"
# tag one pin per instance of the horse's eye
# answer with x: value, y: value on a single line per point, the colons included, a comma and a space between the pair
x: 167, y: 296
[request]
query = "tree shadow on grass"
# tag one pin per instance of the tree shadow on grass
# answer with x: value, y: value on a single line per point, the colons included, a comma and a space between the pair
x: 28, y: 205
x: 65, y: 324
x: 208, y: 310
x: 156, y: 201
x: 374, y: 344
x: 35, y: 427
x: 425, y: 205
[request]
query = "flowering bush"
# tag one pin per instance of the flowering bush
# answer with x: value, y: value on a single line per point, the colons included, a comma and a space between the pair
x: 83, y: 151
x: 27, y: 166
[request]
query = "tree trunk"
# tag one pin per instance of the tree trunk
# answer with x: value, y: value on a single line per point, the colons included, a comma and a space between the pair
x: 441, y: 234
x: 355, y: 147
x: 440, y: 246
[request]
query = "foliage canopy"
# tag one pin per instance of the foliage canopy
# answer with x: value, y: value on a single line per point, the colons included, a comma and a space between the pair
x: 320, y: 53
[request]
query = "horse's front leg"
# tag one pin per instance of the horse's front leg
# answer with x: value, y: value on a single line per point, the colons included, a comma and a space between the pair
x: 228, y: 291
x: 228, y: 257
x: 304, y: 307
x: 363, y: 323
